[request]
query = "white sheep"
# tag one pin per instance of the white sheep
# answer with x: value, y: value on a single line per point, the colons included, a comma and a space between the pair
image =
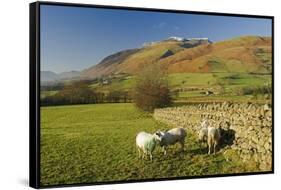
x: 205, y: 123
x: 146, y: 143
x: 171, y: 137
x: 213, y: 138
x: 203, y: 135
x: 203, y: 131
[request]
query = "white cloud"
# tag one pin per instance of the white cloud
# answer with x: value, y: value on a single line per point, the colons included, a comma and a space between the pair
x: 160, y: 25
x: 176, y: 27
x: 165, y: 25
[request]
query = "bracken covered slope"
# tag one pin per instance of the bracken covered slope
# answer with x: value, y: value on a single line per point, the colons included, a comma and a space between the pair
x: 247, y: 54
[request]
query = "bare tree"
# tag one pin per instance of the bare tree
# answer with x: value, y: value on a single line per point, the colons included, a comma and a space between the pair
x: 152, y: 89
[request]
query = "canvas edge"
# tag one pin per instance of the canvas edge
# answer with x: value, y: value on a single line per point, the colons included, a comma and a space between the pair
x: 34, y: 97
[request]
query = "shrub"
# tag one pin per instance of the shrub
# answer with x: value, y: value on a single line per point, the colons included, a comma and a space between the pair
x: 152, y: 89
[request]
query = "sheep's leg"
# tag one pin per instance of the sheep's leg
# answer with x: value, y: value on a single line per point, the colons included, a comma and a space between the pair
x: 164, y: 150
x: 209, y: 146
x: 201, y: 144
x: 215, y: 145
x: 150, y: 154
x: 143, y: 155
x: 139, y: 152
x: 182, y: 145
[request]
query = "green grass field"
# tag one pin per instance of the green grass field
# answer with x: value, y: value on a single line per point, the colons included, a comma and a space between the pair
x: 96, y: 143
x: 192, y: 87
x: 43, y: 94
x: 122, y: 84
x: 201, y: 79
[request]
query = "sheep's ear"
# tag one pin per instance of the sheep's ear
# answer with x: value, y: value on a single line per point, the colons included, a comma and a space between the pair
x: 158, y: 133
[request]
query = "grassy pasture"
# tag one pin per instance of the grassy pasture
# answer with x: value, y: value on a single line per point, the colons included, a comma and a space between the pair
x: 121, y: 84
x: 210, y: 79
x: 192, y: 87
x: 94, y: 143
x: 195, y: 84
x: 197, y: 80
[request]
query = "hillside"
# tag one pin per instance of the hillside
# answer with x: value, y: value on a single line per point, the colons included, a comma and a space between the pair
x: 244, y: 54
x: 247, y: 54
x: 108, y: 65
x: 131, y: 61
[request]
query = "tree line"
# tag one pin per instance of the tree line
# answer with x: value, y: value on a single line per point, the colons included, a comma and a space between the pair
x: 151, y: 91
x: 81, y: 93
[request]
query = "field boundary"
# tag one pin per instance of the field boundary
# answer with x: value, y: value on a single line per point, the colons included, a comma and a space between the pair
x: 248, y: 127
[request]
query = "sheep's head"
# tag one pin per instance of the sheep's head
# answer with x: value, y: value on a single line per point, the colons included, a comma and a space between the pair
x: 205, y: 123
x: 159, y: 136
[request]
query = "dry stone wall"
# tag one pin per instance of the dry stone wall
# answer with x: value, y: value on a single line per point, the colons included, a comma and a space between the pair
x: 251, y: 125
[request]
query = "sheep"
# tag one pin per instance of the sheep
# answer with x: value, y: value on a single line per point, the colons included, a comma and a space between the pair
x: 203, y: 132
x: 146, y: 143
x: 171, y: 137
x: 203, y: 135
x: 210, y: 135
x: 205, y: 123
x: 213, y: 139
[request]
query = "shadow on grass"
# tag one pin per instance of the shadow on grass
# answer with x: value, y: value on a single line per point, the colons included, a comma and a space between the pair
x: 227, y: 138
x: 199, y: 151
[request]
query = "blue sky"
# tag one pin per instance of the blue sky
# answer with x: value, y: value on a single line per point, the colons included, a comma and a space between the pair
x: 75, y: 38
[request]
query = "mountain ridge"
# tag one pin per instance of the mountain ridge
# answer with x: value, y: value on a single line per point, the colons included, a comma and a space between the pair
x: 240, y: 54
x: 49, y: 76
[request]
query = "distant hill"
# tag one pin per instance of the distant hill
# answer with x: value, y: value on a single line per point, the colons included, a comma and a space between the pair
x: 246, y: 54
x: 49, y: 76
x: 69, y: 75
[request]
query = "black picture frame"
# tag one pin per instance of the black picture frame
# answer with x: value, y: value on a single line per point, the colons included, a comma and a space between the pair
x: 34, y: 89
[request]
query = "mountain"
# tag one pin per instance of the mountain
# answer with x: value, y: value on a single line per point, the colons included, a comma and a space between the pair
x: 246, y: 54
x: 130, y: 61
x: 47, y: 76
x: 108, y: 65
x: 69, y: 75
x: 242, y: 54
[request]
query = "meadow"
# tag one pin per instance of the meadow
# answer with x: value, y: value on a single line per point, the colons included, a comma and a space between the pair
x: 96, y: 143
x: 184, y: 88
x: 192, y: 87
